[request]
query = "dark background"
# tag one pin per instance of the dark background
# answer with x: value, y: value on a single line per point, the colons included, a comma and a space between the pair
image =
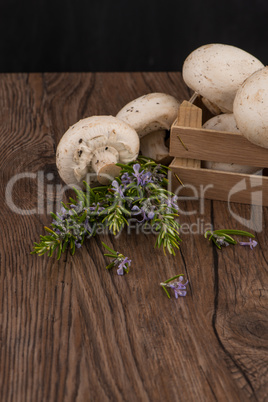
x: 84, y: 35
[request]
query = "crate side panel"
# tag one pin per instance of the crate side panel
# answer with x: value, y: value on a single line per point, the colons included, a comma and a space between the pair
x: 223, y: 186
x: 216, y: 146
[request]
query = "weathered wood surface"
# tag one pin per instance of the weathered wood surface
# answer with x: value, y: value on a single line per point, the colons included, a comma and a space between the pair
x: 70, y: 330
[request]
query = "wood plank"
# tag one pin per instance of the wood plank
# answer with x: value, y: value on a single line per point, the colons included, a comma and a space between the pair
x: 70, y: 330
x: 238, y: 320
x: 217, y: 146
x: 217, y: 185
x: 189, y: 115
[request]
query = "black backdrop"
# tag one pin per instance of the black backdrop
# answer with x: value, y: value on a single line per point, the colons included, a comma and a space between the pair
x: 136, y: 35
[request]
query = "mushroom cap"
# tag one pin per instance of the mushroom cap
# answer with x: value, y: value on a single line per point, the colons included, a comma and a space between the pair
x: 226, y: 122
x: 251, y: 108
x: 216, y: 71
x: 222, y: 122
x: 91, y: 135
x: 151, y: 112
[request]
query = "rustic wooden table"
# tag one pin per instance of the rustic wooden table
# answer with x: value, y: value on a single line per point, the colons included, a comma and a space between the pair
x: 72, y: 331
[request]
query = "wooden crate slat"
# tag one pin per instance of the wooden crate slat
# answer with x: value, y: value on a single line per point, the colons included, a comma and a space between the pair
x: 217, y: 185
x: 189, y: 115
x: 217, y: 146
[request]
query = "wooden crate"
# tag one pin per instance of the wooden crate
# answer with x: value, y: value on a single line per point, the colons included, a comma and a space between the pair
x: 190, y: 144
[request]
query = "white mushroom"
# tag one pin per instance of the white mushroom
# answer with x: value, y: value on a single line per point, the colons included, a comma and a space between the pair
x: 216, y: 71
x: 153, y: 146
x: 251, y: 108
x: 226, y: 122
x: 152, y: 114
x: 94, y: 145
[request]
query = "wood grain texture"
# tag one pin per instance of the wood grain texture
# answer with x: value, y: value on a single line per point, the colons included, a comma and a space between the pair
x: 216, y: 146
x: 218, y: 185
x: 188, y: 116
x: 70, y: 330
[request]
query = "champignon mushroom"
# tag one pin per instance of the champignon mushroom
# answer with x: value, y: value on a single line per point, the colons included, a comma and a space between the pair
x: 153, y: 146
x: 251, y: 108
x: 215, y: 71
x: 226, y: 122
x: 151, y: 115
x: 94, y: 145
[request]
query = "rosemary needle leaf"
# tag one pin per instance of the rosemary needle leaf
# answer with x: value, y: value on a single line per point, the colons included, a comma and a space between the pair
x: 110, y: 265
x: 173, y: 278
x: 214, y: 241
x: 168, y: 295
x: 234, y: 232
x: 110, y: 255
x: 59, y: 252
x: 108, y: 248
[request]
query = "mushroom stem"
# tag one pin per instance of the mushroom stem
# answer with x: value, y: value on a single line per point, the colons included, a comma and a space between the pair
x: 104, y: 164
x: 153, y: 146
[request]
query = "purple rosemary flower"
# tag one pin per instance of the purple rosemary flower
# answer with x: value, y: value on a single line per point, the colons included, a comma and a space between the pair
x: 63, y: 211
x: 146, y: 178
x: 118, y: 189
x: 178, y: 287
x: 150, y: 215
x: 146, y: 213
x: 172, y: 202
x: 148, y: 208
x: 251, y: 243
x: 61, y: 216
x: 137, y: 173
x: 87, y: 226
x: 77, y: 208
x: 126, y: 179
x: 176, y: 284
x: 96, y: 208
x: 123, y: 266
x: 139, y: 211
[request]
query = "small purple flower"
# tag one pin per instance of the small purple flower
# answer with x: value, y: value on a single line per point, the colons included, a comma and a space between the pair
x: 61, y: 217
x: 142, y: 212
x: 123, y: 266
x: 118, y: 189
x: 251, y: 243
x: 125, y: 179
x: 146, y: 178
x: 172, y: 202
x: 87, y: 226
x: 96, y: 208
x: 63, y: 211
x: 139, y: 211
x: 137, y: 173
x: 178, y: 287
x: 150, y: 215
x: 77, y: 244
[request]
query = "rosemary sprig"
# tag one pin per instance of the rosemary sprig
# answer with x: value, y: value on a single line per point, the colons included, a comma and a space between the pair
x: 178, y: 287
x: 222, y: 237
x: 119, y: 260
x: 138, y: 193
